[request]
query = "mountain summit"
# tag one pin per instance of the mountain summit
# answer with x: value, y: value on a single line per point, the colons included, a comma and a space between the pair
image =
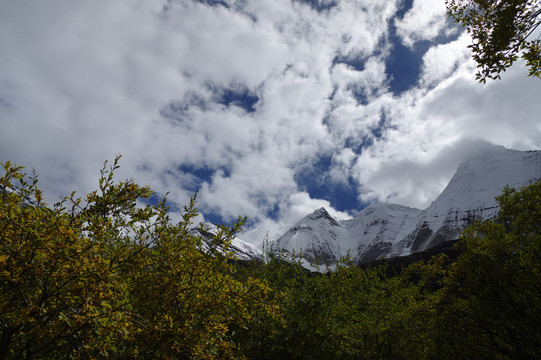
x: 323, y: 239
x: 385, y: 230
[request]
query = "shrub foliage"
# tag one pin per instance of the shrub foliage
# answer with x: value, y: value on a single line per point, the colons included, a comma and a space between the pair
x: 106, y: 276
x: 103, y: 277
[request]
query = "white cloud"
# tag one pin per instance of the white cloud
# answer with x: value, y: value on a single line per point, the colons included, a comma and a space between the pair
x: 441, y: 61
x: 301, y: 204
x: 432, y: 131
x: 504, y: 112
x: 426, y: 20
x: 81, y: 82
x: 341, y: 167
x: 414, y: 179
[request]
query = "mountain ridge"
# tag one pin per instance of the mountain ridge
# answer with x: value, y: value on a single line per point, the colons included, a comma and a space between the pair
x: 390, y: 230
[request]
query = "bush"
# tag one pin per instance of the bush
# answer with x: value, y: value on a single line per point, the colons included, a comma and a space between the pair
x: 105, y: 277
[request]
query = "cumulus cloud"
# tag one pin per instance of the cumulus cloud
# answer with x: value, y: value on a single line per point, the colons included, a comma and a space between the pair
x: 426, y: 20
x: 436, y: 127
x: 414, y: 180
x: 440, y: 61
x: 237, y: 101
x: 342, y: 163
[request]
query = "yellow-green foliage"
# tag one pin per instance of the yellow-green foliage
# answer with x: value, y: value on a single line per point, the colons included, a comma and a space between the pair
x: 107, y: 277
x: 104, y: 277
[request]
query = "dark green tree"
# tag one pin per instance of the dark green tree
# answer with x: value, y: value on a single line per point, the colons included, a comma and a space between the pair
x: 347, y: 313
x: 502, y: 32
x: 491, y: 302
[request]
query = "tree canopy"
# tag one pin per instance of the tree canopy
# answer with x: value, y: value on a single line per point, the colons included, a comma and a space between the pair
x: 502, y: 31
x: 107, y: 276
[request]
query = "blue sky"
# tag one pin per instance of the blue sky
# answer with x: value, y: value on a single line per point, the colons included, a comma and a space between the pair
x: 267, y: 108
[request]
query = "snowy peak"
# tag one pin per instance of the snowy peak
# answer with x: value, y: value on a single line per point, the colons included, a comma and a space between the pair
x: 323, y: 239
x: 471, y: 194
x: 320, y: 214
x: 376, y: 229
x: 315, y: 236
x: 385, y: 210
x: 481, y: 178
x: 383, y: 230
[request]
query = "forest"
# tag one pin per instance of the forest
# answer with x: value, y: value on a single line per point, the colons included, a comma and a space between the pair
x: 109, y: 276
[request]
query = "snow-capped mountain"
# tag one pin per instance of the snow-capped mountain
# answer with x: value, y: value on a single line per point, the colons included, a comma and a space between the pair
x: 240, y: 248
x: 377, y: 227
x: 319, y: 237
x: 385, y: 230
x: 323, y: 239
x: 470, y: 195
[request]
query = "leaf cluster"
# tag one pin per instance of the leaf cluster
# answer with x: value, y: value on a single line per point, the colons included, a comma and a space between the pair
x: 501, y: 31
x: 493, y: 291
x: 105, y: 276
x: 108, y: 277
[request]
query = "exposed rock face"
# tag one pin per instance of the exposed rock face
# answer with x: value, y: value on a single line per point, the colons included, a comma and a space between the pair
x: 387, y: 230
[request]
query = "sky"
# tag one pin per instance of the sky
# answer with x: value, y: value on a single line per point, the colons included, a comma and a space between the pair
x: 268, y: 109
